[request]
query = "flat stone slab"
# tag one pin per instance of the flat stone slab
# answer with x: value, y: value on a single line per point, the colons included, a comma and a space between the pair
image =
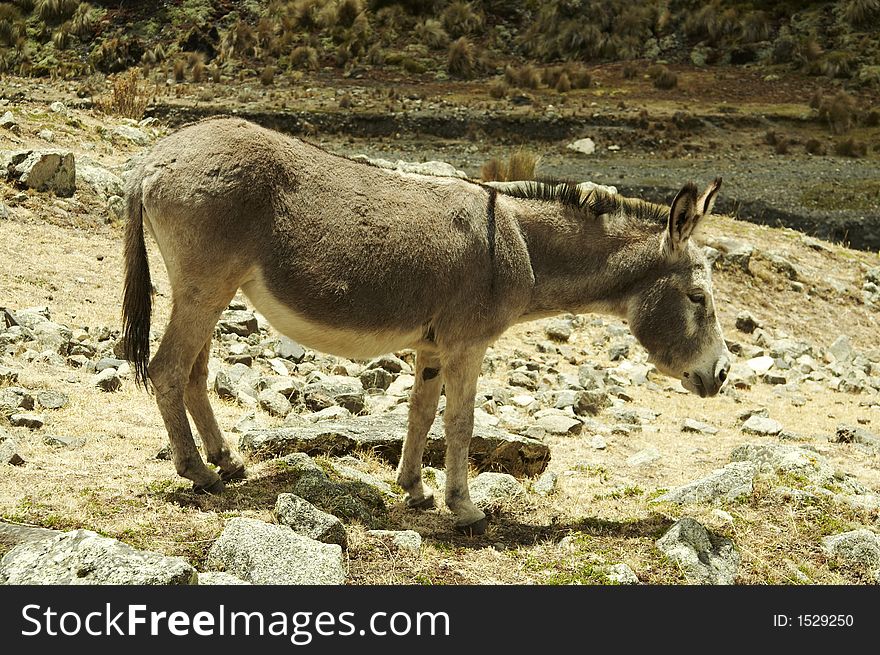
x: 491, y: 449
x: 264, y: 553
x: 728, y: 483
x: 82, y: 557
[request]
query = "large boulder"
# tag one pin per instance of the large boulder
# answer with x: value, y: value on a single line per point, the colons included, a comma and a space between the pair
x: 491, y: 449
x: 854, y: 548
x: 45, y: 170
x: 728, y: 483
x: 703, y: 557
x: 263, y: 553
x: 82, y: 557
x: 306, y: 519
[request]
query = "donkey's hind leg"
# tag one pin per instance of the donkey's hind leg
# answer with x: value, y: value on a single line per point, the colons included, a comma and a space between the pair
x: 190, y: 326
x: 423, y: 401
x: 196, y: 399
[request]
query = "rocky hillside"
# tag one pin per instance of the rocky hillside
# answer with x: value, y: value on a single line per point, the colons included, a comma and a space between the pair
x: 593, y: 467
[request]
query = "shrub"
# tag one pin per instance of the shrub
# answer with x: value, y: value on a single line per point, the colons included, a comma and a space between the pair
x: 755, y: 27
x: 630, y: 71
x: 347, y: 11
x: 460, y: 61
x: 862, y: 13
x: 460, y: 19
x: 304, y: 56
x: 520, y: 165
x: 525, y: 77
x: 128, y: 97
x: 850, y: 148
x: 62, y: 38
x: 197, y: 70
x: 12, y: 26
x: 431, y: 33
x: 267, y: 76
x: 53, y: 12
x: 179, y: 70
x: 662, y: 77
x: 499, y: 89
x: 563, y: 84
x: 781, y: 146
x: 814, y: 147
x: 838, y: 112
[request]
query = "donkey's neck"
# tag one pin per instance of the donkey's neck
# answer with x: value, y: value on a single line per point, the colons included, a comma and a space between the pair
x: 583, y: 264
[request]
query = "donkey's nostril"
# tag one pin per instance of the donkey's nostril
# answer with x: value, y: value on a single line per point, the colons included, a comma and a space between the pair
x: 722, y: 375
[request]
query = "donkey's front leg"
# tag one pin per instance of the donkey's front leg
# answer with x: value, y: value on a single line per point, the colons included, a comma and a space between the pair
x: 460, y: 373
x: 422, y: 411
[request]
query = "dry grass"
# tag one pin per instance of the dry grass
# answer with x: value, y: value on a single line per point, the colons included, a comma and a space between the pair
x: 129, y: 96
x: 520, y: 165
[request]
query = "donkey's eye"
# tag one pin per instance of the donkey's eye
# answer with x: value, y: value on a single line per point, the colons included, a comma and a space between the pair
x: 698, y: 298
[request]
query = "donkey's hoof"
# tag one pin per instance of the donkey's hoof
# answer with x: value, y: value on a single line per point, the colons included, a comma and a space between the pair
x: 215, y: 489
x: 474, y: 529
x: 230, y: 476
x: 425, y: 502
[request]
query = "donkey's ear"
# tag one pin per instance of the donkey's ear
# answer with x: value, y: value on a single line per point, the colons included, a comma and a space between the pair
x: 683, y: 217
x: 707, y: 200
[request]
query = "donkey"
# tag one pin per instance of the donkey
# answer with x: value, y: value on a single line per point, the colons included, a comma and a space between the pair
x: 357, y: 261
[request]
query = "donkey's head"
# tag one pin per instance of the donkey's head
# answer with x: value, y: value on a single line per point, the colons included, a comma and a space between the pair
x: 672, y: 312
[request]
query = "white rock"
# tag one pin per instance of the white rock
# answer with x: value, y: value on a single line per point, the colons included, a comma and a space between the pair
x: 585, y: 146
x: 760, y: 364
x: 406, y: 540
x: 643, y: 457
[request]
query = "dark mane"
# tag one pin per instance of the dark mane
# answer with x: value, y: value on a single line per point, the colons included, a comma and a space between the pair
x: 595, y: 203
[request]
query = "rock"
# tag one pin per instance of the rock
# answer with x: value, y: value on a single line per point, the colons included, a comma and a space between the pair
x: 262, y: 553
x: 289, y: 349
x: 737, y: 253
x: 9, y: 453
x: 598, y: 442
x: 643, y: 457
x: 274, y: 403
x: 51, y: 399
x: 560, y: 425
x: 728, y: 483
x: 784, y: 458
x: 492, y: 491
x: 58, y: 107
x: 219, y: 578
x: 747, y: 323
x: 692, y: 425
x: 30, y: 421
x: 101, y: 181
x: 65, y: 442
x: 761, y: 426
x: 558, y: 330
x: 240, y: 322
x: 853, y: 434
x: 618, y: 351
x: 523, y: 379
x: 490, y: 448
x: 621, y: 574
x: 760, y: 365
x: 46, y: 170
x: 46, y: 135
x: 401, y: 385
x: 13, y: 398
x: 52, y: 336
x: 390, y: 363
x: 585, y: 146
x: 339, y: 390
x: 406, y: 540
x: 82, y: 557
x: 546, y: 484
x: 351, y: 473
x: 841, y: 349
x: 350, y: 500
x: 306, y: 519
x: 108, y: 362
x: 376, y: 378
x: 8, y: 122
x: 107, y: 380
x: 781, y: 265
x: 133, y: 134
x: 12, y: 534
x: 855, y: 548
x: 704, y: 558
x: 329, y: 414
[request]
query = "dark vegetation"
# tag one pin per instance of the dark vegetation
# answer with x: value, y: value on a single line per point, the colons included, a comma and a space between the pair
x: 458, y: 38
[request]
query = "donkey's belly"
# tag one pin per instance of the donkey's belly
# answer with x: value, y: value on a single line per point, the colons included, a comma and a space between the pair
x: 331, y: 339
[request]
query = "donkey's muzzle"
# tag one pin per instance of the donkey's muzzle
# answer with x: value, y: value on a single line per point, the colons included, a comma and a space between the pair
x: 707, y: 384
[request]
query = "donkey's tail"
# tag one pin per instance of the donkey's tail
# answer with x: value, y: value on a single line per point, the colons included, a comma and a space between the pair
x: 137, y: 300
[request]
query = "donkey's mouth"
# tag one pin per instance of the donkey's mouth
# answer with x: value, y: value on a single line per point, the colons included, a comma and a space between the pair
x: 694, y: 383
